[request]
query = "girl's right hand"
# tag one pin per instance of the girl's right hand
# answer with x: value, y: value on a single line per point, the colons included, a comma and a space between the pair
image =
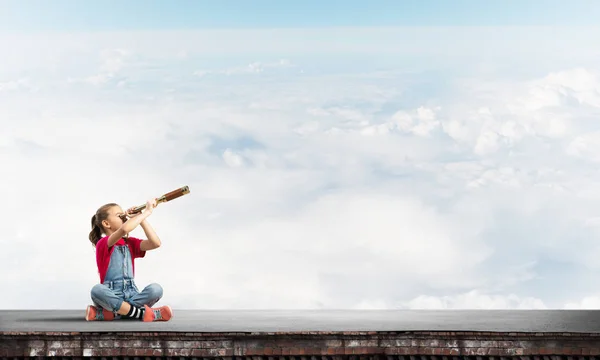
x: 150, y: 205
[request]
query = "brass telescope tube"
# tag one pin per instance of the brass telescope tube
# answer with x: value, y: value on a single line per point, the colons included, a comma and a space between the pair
x: 166, y: 197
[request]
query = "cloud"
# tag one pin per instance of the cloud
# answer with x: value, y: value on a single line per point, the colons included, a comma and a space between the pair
x: 252, y: 68
x: 361, y: 182
x: 16, y: 85
x: 587, y: 303
x: 112, y: 62
x: 232, y: 159
x: 476, y: 300
x: 421, y: 123
x: 585, y: 146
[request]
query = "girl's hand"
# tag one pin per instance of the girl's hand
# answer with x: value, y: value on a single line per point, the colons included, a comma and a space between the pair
x: 131, y: 214
x: 150, y: 205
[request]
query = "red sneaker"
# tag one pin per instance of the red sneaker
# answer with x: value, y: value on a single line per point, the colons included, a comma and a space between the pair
x: 92, y: 314
x: 163, y: 313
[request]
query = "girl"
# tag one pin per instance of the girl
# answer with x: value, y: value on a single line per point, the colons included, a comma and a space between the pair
x: 117, y: 296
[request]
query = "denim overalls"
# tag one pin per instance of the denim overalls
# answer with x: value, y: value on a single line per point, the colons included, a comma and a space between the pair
x: 120, y: 286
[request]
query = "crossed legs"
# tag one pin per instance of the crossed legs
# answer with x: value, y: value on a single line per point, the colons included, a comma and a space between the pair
x: 114, y: 300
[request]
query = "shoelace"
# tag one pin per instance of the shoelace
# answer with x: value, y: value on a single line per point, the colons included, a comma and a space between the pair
x: 157, y: 314
x: 99, y: 314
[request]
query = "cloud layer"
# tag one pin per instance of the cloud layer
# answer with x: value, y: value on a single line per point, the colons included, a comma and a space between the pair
x: 325, y: 172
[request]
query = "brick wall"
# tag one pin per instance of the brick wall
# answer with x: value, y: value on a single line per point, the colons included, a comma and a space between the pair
x: 301, y: 346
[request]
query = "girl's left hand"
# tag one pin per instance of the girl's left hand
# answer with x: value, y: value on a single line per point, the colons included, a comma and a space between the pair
x: 150, y: 205
x: 132, y: 215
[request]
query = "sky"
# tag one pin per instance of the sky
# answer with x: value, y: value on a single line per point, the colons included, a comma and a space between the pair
x: 411, y: 156
x: 74, y: 15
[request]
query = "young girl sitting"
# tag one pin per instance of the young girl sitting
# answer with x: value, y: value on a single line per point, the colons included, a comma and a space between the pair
x: 117, y: 296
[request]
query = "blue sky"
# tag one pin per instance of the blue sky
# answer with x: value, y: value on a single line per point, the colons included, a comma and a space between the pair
x: 431, y: 164
x: 73, y: 15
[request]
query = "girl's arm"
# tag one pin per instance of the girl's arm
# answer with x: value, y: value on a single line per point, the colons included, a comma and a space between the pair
x: 153, y: 240
x: 131, y: 223
x: 126, y: 228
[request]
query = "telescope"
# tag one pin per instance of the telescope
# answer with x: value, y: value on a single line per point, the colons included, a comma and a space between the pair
x: 166, y: 197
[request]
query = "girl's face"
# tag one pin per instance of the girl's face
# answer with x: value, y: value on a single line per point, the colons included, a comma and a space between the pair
x: 116, y: 218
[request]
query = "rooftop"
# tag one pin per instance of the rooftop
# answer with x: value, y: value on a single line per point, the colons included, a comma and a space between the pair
x: 292, y: 321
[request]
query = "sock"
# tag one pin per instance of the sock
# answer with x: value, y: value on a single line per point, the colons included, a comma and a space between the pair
x: 135, y: 313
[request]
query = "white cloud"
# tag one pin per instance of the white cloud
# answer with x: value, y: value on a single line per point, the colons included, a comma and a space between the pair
x: 475, y: 300
x: 112, y: 62
x: 251, y: 68
x: 587, y: 303
x: 420, y: 122
x: 357, y: 183
x: 585, y: 146
x: 232, y: 159
x: 14, y: 85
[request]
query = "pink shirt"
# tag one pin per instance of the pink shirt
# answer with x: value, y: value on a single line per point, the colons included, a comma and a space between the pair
x: 103, y: 253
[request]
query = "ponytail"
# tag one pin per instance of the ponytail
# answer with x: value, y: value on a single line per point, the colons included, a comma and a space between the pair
x: 97, y: 229
x: 96, y: 233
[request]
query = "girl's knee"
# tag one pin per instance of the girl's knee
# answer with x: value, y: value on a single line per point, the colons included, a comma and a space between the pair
x: 102, y: 296
x: 98, y: 291
x: 156, y: 291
